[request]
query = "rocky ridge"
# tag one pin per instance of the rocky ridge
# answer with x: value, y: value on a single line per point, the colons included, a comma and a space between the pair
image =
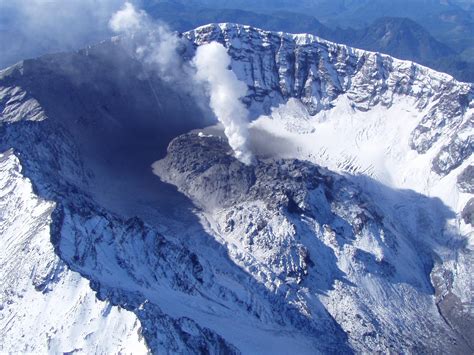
x: 278, y: 66
x: 281, y: 256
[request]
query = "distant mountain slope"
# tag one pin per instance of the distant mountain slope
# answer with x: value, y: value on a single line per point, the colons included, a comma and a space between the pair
x: 450, y: 20
x: 405, y: 39
x: 399, y: 37
x: 348, y: 22
x: 183, y: 17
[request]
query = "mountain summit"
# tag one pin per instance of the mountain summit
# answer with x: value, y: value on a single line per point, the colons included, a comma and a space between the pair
x: 402, y: 38
x: 129, y: 226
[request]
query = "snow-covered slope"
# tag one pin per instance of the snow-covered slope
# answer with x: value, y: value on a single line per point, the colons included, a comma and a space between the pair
x: 426, y: 111
x: 45, y: 307
x: 351, y: 232
x: 328, y: 247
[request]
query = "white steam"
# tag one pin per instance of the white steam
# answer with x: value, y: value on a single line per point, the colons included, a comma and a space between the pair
x: 225, y: 90
x: 127, y: 19
x: 156, y: 45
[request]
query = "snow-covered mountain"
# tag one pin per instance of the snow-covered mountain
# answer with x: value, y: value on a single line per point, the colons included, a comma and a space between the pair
x: 352, y: 232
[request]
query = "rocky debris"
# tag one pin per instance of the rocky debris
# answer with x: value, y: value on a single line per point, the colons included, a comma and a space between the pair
x: 204, y: 168
x: 456, y: 150
x: 468, y: 212
x: 270, y: 215
x: 451, y: 103
x: 455, y: 311
x: 465, y: 180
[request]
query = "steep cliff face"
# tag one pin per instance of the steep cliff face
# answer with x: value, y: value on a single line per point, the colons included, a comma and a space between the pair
x: 328, y: 243
x: 44, y: 306
x: 320, y: 74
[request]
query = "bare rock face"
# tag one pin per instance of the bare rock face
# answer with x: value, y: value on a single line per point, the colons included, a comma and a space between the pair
x: 468, y: 212
x: 456, y: 151
x: 279, y: 66
x: 466, y: 180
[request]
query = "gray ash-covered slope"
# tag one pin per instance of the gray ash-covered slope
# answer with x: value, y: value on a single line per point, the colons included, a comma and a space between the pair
x: 313, y: 236
x: 283, y: 256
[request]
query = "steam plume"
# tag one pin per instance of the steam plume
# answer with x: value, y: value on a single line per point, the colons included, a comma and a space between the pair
x: 225, y: 90
x: 157, y: 46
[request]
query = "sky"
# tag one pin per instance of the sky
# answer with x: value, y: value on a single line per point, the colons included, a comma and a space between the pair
x: 29, y: 28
